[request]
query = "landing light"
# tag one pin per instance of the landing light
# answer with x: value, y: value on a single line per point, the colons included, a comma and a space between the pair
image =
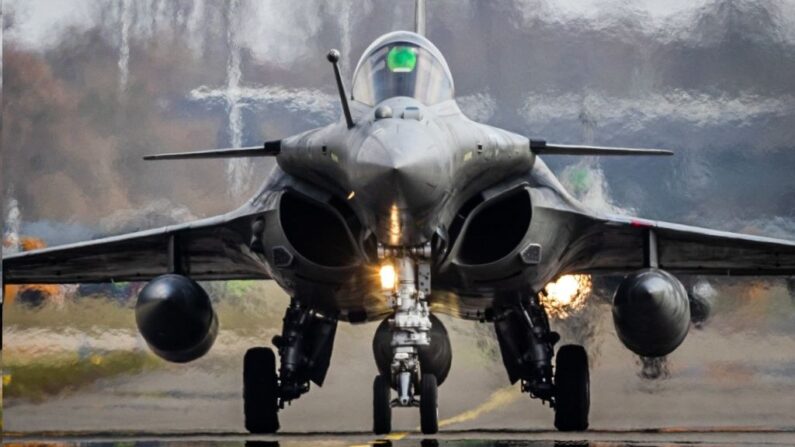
x: 387, y: 277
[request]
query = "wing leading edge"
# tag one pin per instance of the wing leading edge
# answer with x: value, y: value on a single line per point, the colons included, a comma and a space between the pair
x: 269, y: 149
x: 210, y: 249
x: 541, y: 147
x: 620, y: 244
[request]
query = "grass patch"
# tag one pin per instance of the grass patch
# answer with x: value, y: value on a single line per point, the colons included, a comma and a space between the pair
x: 62, y: 373
x: 83, y: 315
x: 242, y: 306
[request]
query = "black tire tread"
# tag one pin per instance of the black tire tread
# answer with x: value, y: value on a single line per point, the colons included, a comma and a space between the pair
x: 260, y: 391
x: 429, y: 404
x: 572, y: 389
x: 382, y: 409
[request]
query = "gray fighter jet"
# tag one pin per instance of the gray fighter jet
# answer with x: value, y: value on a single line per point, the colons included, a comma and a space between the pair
x: 401, y: 209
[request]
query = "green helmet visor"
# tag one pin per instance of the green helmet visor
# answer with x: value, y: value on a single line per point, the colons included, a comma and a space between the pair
x: 402, y: 59
x: 402, y: 68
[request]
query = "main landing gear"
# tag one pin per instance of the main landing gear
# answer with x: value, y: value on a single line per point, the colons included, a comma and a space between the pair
x: 414, y: 378
x: 527, y: 347
x: 304, y: 349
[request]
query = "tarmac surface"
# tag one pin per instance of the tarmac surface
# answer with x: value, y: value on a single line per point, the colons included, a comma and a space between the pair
x: 667, y: 437
x: 728, y: 384
x: 205, y: 397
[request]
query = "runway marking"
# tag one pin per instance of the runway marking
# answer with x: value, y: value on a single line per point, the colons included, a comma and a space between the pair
x: 385, y: 440
x: 396, y: 436
x: 499, y: 398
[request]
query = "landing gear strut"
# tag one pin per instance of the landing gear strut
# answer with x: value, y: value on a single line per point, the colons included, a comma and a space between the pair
x: 304, y: 348
x: 410, y: 328
x: 527, y: 347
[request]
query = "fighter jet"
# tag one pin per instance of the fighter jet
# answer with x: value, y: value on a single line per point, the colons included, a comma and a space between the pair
x: 403, y: 209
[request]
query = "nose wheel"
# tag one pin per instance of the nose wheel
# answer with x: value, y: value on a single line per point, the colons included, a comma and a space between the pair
x: 382, y: 405
x: 429, y: 407
x: 428, y: 403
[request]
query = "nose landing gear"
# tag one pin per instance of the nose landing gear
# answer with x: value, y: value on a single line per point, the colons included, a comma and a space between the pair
x: 410, y: 327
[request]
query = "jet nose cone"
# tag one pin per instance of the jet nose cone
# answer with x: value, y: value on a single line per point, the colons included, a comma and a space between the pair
x: 410, y: 176
x: 401, y: 174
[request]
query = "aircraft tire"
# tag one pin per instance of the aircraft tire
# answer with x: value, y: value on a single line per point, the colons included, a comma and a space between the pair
x: 429, y: 404
x: 382, y: 405
x: 260, y: 391
x: 572, y: 389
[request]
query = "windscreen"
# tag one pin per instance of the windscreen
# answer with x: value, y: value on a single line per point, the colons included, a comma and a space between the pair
x: 402, y: 69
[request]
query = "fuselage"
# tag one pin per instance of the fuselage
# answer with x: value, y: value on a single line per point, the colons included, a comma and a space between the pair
x: 413, y: 172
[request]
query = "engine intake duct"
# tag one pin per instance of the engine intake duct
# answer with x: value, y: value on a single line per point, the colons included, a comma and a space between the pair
x: 176, y: 319
x: 318, y: 232
x: 496, y: 228
x: 651, y: 312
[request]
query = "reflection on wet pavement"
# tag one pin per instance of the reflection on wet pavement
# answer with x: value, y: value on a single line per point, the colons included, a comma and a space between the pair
x: 446, y: 439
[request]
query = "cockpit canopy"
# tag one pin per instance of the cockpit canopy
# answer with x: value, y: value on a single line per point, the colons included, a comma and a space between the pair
x: 402, y: 64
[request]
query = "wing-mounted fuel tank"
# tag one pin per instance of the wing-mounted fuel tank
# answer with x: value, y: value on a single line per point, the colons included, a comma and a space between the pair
x: 176, y: 319
x: 651, y: 312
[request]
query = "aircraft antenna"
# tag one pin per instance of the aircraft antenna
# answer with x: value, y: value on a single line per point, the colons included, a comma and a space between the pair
x: 419, y: 17
x: 334, y: 58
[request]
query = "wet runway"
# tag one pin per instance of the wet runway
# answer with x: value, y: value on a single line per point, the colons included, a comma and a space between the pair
x: 501, y: 438
x: 719, y: 379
